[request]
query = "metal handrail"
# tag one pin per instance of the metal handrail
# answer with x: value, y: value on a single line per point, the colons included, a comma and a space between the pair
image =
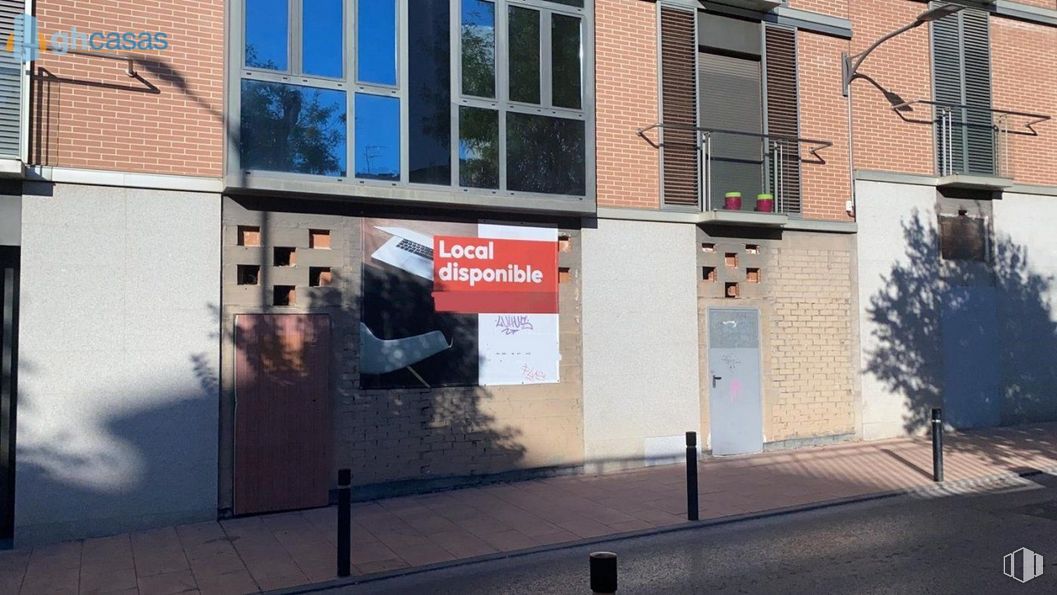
x: 776, y: 143
x: 999, y: 126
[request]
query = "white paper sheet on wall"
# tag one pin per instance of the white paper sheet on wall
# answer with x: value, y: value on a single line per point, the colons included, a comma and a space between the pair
x: 518, y: 348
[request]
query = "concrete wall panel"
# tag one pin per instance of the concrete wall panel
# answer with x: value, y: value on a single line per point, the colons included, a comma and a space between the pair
x: 641, y: 377
x: 118, y: 397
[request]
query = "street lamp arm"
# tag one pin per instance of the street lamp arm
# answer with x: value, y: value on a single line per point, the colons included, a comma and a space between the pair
x: 855, y: 61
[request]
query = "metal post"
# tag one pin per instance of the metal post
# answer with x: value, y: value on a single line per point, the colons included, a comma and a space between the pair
x: 937, y: 445
x: 603, y: 572
x: 344, y: 522
x: 691, y: 476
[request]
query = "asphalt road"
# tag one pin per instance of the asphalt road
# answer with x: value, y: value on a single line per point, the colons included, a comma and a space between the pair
x: 949, y: 544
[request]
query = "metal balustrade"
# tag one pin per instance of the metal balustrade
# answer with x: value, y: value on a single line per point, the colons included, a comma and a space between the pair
x: 746, y: 162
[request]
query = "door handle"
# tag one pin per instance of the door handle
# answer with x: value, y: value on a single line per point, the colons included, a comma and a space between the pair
x: 714, y: 379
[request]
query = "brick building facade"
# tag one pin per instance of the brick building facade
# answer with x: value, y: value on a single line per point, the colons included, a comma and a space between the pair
x: 183, y: 219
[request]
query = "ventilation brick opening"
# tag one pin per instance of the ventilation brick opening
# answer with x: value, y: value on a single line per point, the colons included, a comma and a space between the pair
x: 731, y: 260
x: 284, y: 295
x: 319, y: 277
x: 708, y: 247
x: 285, y: 257
x: 564, y: 276
x: 731, y: 290
x: 752, y: 275
x: 752, y: 248
x: 565, y: 243
x: 248, y: 274
x: 319, y: 239
x: 708, y: 274
x: 249, y: 235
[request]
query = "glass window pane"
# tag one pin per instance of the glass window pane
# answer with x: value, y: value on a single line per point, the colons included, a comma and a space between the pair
x: 478, y: 48
x: 429, y: 92
x: 267, y: 34
x: 322, y: 47
x: 478, y: 147
x: 376, y: 35
x: 377, y: 137
x: 565, y: 58
x: 291, y: 128
x: 545, y: 154
x: 524, y: 55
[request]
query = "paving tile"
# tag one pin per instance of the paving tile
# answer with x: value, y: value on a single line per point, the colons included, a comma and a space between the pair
x: 158, y: 552
x: 104, y: 579
x: 462, y: 544
x: 232, y: 583
x: 372, y: 552
x: 107, y: 551
x: 55, y: 557
x: 508, y: 541
x: 379, y: 566
x: 14, y: 560
x: 11, y: 580
x: 555, y: 538
x: 421, y: 555
x: 168, y: 583
x: 51, y: 581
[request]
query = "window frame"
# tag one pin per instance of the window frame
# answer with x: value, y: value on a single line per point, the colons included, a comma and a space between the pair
x: 261, y: 181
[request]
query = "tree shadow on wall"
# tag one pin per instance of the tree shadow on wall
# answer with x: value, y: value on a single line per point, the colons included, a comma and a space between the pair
x: 975, y: 338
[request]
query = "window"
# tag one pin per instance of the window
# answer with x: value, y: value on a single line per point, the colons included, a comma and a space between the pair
x: 321, y: 35
x: 524, y: 54
x: 470, y: 96
x: 376, y: 48
x: 294, y: 129
x: 267, y: 34
x: 961, y: 65
x: 744, y: 75
x: 478, y: 48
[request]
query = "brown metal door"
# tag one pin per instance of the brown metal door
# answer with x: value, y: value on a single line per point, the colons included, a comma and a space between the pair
x: 282, y: 422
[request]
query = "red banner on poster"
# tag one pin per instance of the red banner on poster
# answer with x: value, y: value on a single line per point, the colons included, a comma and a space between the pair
x: 495, y: 276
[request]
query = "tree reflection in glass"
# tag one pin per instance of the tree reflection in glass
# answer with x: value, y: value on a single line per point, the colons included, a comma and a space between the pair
x: 290, y: 128
x: 478, y: 147
x: 478, y: 48
x: 524, y: 30
x: 545, y: 154
x: 565, y: 60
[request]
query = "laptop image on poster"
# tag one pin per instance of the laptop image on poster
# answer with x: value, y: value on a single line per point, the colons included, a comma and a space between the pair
x: 408, y: 250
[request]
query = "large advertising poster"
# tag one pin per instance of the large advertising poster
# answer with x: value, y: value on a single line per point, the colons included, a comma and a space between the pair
x: 458, y: 304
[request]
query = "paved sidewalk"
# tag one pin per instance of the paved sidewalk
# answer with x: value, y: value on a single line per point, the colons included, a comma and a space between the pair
x: 290, y: 549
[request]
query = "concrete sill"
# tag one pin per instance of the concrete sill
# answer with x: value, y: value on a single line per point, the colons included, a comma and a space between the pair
x: 11, y: 168
x: 974, y: 182
x: 750, y: 218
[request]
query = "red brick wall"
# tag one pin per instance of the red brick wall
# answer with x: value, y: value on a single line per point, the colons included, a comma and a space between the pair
x: 883, y: 141
x: 823, y: 116
x: 626, y: 100
x: 837, y: 8
x: 1023, y: 79
x: 97, y: 117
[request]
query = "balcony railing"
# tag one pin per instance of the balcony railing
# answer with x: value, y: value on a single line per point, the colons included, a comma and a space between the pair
x: 973, y: 140
x: 749, y: 163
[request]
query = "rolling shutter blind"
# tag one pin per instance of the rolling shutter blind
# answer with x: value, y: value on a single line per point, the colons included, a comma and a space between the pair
x: 10, y: 83
x: 961, y: 74
x: 782, y: 114
x: 678, y: 106
x: 731, y: 99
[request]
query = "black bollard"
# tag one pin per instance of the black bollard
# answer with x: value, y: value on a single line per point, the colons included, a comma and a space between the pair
x: 344, y: 522
x: 691, y: 476
x: 937, y: 445
x: 603, y: 572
